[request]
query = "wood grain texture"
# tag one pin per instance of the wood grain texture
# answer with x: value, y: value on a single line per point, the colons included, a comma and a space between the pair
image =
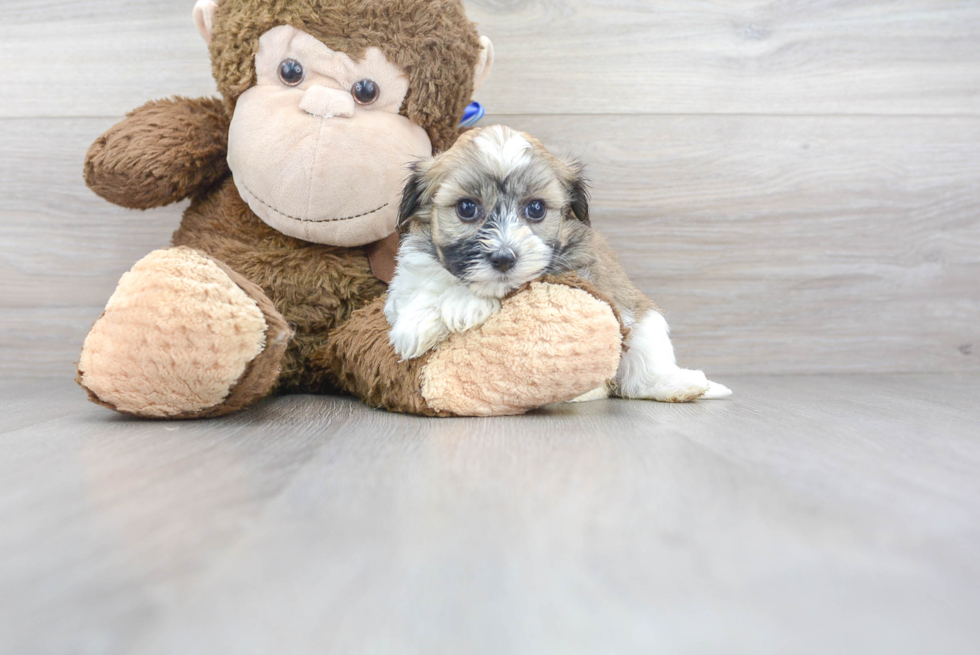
x: 55, y: 229
x: 805, y: 514
x: 554, y: 56
x: 799, y: 243
x: 98, y: 57
x: 760, y: 56
x: 776, y: 244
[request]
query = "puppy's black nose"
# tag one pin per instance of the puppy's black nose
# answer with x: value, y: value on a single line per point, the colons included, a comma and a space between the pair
x: 503, y: 261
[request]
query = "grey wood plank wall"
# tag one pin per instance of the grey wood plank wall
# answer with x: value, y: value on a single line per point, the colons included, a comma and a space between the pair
x: 797, y: 183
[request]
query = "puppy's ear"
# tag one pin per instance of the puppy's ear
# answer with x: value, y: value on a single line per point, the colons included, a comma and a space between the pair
x: 578, y: 191
x: 412, y: 196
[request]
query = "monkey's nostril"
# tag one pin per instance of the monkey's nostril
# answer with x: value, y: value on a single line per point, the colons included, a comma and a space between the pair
x: 503, y: 261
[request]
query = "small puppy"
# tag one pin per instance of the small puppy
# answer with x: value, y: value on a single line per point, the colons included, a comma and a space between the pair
x: 495, y: 211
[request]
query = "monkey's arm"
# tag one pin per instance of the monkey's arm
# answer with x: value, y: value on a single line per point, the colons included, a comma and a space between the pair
x: 551, y: 341
x: 163, y: 152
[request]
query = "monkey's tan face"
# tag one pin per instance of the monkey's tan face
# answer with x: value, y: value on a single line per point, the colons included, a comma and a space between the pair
x: 317, y: 147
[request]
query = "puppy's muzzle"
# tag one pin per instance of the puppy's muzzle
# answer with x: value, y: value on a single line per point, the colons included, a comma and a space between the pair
x: 503, y: 260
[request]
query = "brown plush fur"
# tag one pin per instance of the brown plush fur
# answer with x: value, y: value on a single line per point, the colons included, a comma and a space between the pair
x: 411, y: 33
x: 315, y: 287
x: 263, y: 373
x: 163, y: 152
x: 173, y: 149
x: 328, y: 296
x: 362, y: 362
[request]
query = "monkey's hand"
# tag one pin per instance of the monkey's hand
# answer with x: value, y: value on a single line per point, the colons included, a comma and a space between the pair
x: 163, y: 152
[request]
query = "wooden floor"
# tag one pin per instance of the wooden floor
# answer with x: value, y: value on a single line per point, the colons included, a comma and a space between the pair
x: 827, y: 514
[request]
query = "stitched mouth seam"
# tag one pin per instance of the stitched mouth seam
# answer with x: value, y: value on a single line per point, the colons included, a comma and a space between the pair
x: 310, y: 220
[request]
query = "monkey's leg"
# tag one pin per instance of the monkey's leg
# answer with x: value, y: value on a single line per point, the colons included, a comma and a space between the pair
x: 183, y: 336
x: 548, y: 343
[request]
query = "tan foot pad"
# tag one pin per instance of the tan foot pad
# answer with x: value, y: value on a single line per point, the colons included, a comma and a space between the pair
x: 547, y: 344
x: 176, y: 336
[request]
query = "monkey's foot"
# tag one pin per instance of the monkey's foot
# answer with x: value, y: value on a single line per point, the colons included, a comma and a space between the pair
x: 183, y: 336
x: 548, y: 343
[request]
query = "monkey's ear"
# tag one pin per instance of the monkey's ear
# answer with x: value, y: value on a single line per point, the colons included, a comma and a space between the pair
x: 578, y: 192
x: 411, y: 196
x: 204, y: 12
x: 483, y: 63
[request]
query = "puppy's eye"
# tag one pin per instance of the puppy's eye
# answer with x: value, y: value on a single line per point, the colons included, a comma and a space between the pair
x: 365, y: 92
x: 291, y: 72
x: 467, y: 209
x: 535, y: 210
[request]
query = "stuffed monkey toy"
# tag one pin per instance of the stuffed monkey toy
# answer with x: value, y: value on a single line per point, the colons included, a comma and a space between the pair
x: 276, y: 275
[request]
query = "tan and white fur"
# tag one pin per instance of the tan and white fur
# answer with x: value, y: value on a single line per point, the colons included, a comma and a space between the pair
x: 494, y: 212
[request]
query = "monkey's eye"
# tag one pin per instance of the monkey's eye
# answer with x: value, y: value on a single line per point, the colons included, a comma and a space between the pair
x: 467, y: 209
x: 365, y: 92
x: 291, y: 72
x: 535, y: 210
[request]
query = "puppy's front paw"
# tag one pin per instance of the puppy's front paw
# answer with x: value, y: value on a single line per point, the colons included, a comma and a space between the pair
x: 413, y: 338
x: 681, y: 385
x: 462, y: 310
